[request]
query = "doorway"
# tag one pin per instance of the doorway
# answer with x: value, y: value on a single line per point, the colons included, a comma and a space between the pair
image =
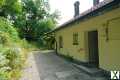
x: 93, y: 48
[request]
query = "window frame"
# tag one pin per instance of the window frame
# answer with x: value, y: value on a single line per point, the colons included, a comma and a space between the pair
x: 60, y: 42
x: 75, y: 39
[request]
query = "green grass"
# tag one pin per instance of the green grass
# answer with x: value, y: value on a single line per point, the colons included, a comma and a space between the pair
x: 13, y: 51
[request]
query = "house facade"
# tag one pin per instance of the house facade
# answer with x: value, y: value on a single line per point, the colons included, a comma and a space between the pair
x: 93, y: 37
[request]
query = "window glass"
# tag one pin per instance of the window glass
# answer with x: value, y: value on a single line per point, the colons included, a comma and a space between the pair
x: 60, y: 42
x: 75, y: 38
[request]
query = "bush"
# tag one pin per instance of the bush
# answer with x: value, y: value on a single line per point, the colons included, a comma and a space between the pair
x: 4, y: 39
x: 4, y: 68
x: 7, y: 27
x: 10, y: 63
x: 12, y: 51
x: 13, y: 56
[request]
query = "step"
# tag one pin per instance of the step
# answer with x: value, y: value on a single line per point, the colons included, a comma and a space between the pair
x: 90, y: 71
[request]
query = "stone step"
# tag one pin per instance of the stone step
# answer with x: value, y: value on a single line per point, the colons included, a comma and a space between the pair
x: 90, y: 71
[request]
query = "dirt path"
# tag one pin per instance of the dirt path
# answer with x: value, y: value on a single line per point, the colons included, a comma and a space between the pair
x: 31, y: 71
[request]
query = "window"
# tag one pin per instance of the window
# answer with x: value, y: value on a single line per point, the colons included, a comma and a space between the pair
x: 60, y: 42
x: 75, y: 38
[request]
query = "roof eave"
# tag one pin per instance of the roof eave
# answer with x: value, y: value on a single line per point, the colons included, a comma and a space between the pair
x: 89, y: 11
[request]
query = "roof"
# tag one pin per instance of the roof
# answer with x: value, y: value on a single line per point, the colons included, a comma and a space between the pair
x: 94, y: 11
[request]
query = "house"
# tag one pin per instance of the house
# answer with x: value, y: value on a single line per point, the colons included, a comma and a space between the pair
x: 92, y: 37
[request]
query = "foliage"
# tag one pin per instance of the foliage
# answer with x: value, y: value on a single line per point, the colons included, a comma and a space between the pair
x: 10, y: 60
x: 32, y: 18
x: 4, y: 39
x: 10, y: 7
x: 8, y: 29
x: 29, y: 16
x: 35, y: 20
x: 12, y: 52
x: 41, y: 27
x: 13, y: 55
x: 29, y: 19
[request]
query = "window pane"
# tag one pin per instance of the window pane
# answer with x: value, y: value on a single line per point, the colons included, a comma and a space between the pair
x: 75, y: 38
x: 60, y: 42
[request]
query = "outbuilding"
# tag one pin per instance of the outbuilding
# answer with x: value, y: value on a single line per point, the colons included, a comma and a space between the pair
x: 92, y: 37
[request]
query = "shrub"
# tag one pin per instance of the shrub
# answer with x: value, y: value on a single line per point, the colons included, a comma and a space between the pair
x: 3, y: 60
x: 10, y: 63
x: 4, y: 39
x: 14, y: 58
x: 4, y: 68
x: 7, y: 27
x: 11, y: 51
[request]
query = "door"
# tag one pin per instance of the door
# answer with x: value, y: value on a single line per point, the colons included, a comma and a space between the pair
x: 93, y: 48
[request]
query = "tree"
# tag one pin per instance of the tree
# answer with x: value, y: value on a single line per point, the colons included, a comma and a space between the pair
x: 10, y: 8
x: 34, y: 20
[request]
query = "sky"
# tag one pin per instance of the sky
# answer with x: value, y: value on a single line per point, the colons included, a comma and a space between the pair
x: 66, y: 8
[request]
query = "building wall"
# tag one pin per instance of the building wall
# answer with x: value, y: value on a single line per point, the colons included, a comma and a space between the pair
x: 108, y: 27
